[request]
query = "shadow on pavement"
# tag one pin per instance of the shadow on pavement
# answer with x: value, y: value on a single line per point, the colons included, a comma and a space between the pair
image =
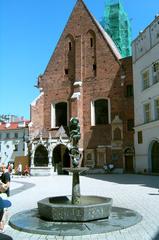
x: 156, y: 237
x: 5, y: 237
x: 143, y: 180
x: 25, y: 186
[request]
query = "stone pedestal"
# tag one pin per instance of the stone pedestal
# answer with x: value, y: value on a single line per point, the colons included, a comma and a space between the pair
x: 75, y: 188
x: 76, y: 183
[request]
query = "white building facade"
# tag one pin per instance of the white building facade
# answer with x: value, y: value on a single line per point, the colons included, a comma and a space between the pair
x: 146, y: 98
x: 13, y: 143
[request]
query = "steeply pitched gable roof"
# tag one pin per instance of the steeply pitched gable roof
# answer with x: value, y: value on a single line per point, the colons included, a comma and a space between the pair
x: 108, y: 39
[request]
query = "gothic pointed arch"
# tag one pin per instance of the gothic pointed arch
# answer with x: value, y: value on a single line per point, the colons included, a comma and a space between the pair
x: 61, y: 158
x: 70, y: 57
x: 90, y: 54
x: 41, y: 156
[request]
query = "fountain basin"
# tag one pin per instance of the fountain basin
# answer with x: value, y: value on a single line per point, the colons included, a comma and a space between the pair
x: 61, y: 208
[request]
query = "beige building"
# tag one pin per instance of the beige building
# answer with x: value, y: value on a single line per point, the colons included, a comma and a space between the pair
x: 146, y: 100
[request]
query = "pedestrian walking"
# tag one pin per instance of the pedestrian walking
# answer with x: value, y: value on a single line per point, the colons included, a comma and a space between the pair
x: 19, y: 169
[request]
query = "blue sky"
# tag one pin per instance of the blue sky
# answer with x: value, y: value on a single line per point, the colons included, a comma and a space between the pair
x: 29, y: 31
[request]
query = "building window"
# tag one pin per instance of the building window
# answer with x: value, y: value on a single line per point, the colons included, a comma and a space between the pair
x: 7, y: 135
x: 69, y: 58
x: 24, y: 146
x: 157, y: 109
x: 156, y: 72
x: 147, y: 113
x: 66, y: 71
x: 90, y: 54
x: 129, y: 90
x: 16, y: 135
x: 94, y: 67
x: 130, y: 124
x: 101, y: 111
x: 91, y: 42
x: 145, y: 79
x: 140, y: 138
x: 16, y: 147
x: 70, y: 46
x: 61, y: 114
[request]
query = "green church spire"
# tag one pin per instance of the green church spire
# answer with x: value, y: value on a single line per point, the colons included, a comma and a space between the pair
x: 117, y: 24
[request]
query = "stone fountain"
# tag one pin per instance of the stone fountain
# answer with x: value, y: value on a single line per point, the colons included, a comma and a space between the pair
x: 76, y: 214
x: 75, y: 208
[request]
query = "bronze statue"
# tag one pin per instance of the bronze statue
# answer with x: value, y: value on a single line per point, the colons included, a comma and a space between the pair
x: 74, y: 132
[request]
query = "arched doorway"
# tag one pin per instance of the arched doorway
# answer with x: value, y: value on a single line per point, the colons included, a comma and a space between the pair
x: 155, y: 157
x: 41, y: 157
x: 61, y: 158
x: 129, y: 157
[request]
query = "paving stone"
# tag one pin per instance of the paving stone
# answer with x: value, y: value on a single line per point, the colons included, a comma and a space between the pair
x: 136, y: 192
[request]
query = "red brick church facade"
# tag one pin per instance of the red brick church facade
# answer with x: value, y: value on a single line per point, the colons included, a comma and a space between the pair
x: 85, y: 78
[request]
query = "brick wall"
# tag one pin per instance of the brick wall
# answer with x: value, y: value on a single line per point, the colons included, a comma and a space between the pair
x: 92, y: 61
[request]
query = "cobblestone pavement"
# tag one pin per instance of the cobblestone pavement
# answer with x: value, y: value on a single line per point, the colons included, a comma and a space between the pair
x: 137, y: 192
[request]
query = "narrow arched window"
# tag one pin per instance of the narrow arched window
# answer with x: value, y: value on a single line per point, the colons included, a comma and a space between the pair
x: 90, y: 54
x: 69, y: 69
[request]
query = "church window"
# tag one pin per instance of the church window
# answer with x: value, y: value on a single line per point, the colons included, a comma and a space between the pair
x: 69, y: 58
x: 61, y: 114
x: 101, y: 111
x: 66, y: 71
x: 94, y: 67
x: 70, y: 46
x: 91, y: 42
x: 90, y: 54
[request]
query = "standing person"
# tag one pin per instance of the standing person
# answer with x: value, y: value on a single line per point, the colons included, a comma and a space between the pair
x: 4, y: 191
x: 5, y: 179
x: 10, y: 169
x: 19, y: 169
x: 26, y: 170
